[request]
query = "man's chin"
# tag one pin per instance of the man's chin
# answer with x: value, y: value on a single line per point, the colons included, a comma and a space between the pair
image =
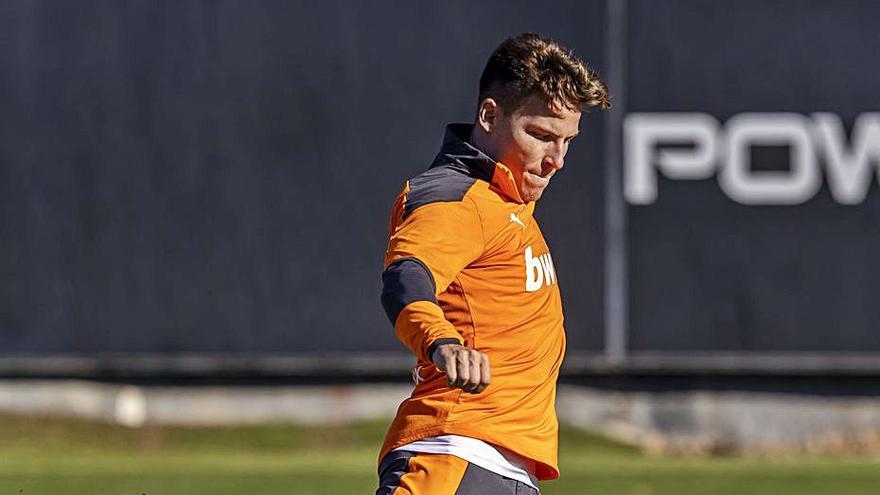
x: 529, y: 196
x: 532, y: 186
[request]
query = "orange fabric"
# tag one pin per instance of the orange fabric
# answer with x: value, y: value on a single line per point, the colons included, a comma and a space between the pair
x: 421, y: 323
x: 432, y: 474
x: 456, y: 239
x: 445, y: 236
x: 497, y: 291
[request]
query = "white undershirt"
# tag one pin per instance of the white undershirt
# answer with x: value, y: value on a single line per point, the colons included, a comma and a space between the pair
x: 496, y: 459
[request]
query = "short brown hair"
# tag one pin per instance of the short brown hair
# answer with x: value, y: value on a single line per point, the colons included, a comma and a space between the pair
x: 529, y: 64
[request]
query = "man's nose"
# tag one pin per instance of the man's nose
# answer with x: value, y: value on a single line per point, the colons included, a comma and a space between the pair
x: 556, y: 157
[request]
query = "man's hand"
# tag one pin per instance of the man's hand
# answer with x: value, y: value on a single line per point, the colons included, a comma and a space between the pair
x: 465, y: 368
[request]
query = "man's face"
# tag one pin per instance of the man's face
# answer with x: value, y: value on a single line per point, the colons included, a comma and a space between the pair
x: 532, y: 142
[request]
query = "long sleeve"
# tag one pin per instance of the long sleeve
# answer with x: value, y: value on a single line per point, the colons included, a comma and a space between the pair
x: 427, y: 249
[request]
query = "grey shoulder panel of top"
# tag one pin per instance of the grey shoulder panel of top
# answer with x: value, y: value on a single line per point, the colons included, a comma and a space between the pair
x: 445, y: 183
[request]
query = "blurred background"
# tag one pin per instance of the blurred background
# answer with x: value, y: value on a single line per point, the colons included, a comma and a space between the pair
x: 194, y: 202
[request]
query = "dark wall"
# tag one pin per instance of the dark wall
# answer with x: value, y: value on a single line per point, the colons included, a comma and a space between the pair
x: 709, y: 273
x: 217, y: 176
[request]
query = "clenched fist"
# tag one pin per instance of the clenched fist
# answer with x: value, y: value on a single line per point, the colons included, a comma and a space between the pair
x: 465, y: 368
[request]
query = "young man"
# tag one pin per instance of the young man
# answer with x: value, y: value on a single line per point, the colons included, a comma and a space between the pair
x: 470, y: 285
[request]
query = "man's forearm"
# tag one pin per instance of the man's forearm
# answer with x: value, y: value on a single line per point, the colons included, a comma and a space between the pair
x: 410, y: 303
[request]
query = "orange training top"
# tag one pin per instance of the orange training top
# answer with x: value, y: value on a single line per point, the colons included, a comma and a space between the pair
x: 466, y: 261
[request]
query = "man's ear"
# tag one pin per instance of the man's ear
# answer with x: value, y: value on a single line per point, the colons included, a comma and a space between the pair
x: 487, y: 114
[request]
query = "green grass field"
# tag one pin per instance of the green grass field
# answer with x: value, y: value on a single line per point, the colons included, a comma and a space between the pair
x: 40, y: 456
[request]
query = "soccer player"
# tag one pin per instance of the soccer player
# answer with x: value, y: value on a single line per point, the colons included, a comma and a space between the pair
x: 470, y: 286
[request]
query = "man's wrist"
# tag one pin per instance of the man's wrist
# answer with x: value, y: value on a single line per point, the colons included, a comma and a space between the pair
x: 436, y: 345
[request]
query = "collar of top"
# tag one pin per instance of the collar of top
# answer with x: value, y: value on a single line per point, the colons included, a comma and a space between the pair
x: 456, y: 150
